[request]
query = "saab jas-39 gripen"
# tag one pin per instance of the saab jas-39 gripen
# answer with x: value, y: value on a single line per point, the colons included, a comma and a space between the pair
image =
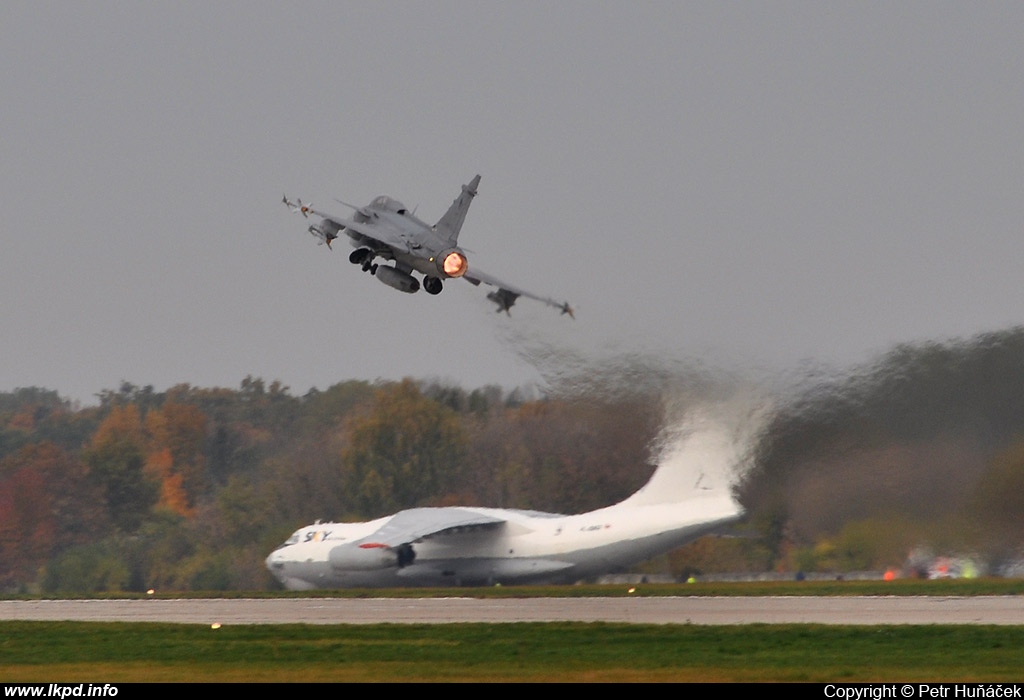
x: 467, y: 546
x: 386, y: 230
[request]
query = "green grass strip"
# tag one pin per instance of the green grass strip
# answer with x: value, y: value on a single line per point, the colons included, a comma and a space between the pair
x: 125, y: 652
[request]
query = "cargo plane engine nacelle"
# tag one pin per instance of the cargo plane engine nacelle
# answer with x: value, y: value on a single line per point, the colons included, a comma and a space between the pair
x: 371, y: 556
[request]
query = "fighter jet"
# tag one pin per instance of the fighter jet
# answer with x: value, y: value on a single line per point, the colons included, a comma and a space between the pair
x: 462, y: 546
x: 385, y: 230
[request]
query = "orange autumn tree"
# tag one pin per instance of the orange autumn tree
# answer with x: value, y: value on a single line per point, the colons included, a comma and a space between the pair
x: 155, y: 461
x: 176, y: 436
x: 160, y: 466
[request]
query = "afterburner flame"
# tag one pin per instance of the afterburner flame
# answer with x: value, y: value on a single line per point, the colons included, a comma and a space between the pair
x: 454, y: 264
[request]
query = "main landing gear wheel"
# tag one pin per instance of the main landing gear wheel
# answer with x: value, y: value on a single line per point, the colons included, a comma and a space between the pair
x: 433, y: 285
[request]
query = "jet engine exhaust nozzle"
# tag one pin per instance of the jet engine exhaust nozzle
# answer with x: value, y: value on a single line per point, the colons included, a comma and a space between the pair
x: 451, y: 263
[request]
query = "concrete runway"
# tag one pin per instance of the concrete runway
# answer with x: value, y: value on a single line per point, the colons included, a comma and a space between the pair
x: 861, y: 610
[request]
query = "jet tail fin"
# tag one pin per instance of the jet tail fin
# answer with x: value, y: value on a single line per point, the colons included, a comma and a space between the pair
x: 451, y: 223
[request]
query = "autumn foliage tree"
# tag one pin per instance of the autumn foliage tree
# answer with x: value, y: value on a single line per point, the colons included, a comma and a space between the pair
x: 406, y: 450
x: 116, y: 457
x: 176, y: 439
x: 46, y: 505
x: 563, y: 456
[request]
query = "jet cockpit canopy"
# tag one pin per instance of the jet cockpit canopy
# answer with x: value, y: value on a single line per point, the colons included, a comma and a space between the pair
x: 389, y: 204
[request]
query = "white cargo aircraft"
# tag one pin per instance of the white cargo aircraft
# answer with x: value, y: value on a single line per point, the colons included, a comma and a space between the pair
x: 457, y: 546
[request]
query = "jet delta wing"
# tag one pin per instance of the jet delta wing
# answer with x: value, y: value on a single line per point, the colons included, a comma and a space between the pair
x: 506, y: 294
x: 386, y: 230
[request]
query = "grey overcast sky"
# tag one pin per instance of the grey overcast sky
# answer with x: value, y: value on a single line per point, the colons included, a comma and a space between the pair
x: 745, y: 184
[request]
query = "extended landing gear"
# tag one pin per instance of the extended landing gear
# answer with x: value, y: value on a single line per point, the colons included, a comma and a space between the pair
x: 364, y: 258
x: 433, y: 285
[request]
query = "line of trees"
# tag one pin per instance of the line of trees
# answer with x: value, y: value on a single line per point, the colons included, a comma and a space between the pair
x: 191, y: 488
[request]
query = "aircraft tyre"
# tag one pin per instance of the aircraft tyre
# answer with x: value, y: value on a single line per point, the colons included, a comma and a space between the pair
x: 433, y: 285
